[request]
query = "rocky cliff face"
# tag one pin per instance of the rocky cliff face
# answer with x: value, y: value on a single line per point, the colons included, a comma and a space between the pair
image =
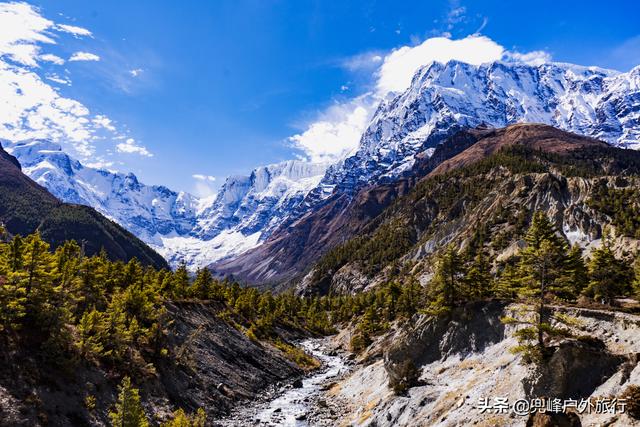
x: 483, y: 191
x: 465, y: 357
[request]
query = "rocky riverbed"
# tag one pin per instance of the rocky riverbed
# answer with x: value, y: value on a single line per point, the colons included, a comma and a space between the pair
x: 300, y: 403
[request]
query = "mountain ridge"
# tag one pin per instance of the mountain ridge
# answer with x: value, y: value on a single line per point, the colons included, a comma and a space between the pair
x: 25, y: 207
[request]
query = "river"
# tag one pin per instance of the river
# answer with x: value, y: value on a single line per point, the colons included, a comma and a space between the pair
x: 290, y: 407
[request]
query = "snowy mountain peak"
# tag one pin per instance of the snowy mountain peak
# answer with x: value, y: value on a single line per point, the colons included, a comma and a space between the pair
x: 443, y: 98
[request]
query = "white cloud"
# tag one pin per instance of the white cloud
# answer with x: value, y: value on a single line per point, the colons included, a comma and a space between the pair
x: 31, y: 106
x: 536, y: 57
x: 104, y: 122
x: 49, y: 57
x: 21, y: 29
x: 455, y: 16
x: 136, y: 72
x: 76, y: 31
x: 336, y: 132
x: 100, y: 164
x: 400, y: 65
x: 84, y: 56
x: 201, y: 177
x: 130, y: 146
x: 57, y: 79
x: 204, y: 186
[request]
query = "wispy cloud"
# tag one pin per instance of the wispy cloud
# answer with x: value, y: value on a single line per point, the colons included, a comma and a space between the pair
x: 130, y: 146
x: 627, y: 54
x: 204, y: 185
x: 49, y: 57
x: 32, y: 104
x: 136, y: 72
x: 76, y: 31
x: 84, y: 56
x: 201, y: 177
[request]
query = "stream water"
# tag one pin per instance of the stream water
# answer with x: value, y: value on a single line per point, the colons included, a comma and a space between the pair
x: 291, y: 406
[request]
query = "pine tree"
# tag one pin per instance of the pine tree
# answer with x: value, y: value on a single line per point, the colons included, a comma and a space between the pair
x: 446, y: 286
x: 180, y: 282
x: 92, y: 335
x: 15, y: 254
x: 478, y: 277
x: 202, y: 287
x: 575, y: 278
x: 636, y: 282
x: 128, y: 409
x: 508, y: 284
x: 181, y: 419
x: 38, y: 264
x: 541, y: 266
x: 608, y: 276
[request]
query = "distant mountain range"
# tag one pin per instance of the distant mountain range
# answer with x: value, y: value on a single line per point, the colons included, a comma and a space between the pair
x: 26, y: 207
x: 178, y: 225
x: 244, y: 228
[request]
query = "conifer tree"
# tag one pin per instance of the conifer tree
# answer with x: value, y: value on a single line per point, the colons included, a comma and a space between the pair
x: 180, y: 282
x: 575, y: 276
x: 37, y: 263
x: 508, y: 284
x: 15, y: 254
x: 446, y: 286
x: 541, y: 267
x: 181, y: 419
x: 478, y: 278
x: 128, y: 409
x: 202, y: 286
x: 608, y: 276
x: 636, y: 282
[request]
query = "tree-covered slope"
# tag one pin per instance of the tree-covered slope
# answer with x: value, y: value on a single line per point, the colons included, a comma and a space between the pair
x: 26, y: 207
x: 483, y: 199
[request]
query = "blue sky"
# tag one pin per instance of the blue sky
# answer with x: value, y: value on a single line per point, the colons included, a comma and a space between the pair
x: 215, y: 88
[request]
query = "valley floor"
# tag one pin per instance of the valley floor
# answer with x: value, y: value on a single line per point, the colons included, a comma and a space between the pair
x: 471, y: 365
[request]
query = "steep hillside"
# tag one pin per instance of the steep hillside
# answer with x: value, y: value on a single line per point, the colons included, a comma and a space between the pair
x: 485, y: 196
x: 465, y: 357
x: 26, y: 207
x: 219, y: 366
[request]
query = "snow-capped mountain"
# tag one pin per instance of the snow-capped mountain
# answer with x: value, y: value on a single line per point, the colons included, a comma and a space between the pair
x: 442, y: 98
x: 244, y: 213
x: 178, y: 225
x: 144, y: 210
